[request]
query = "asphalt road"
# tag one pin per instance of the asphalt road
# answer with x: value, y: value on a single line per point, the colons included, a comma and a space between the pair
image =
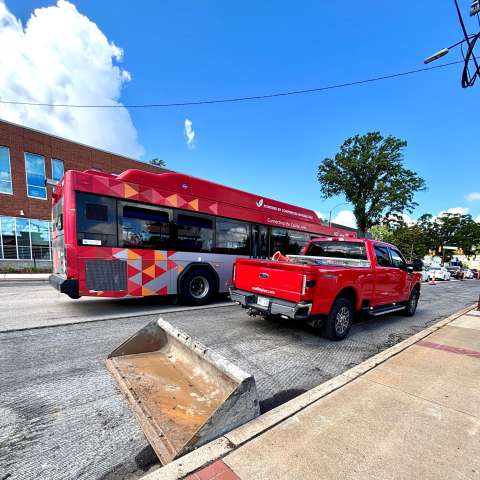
x: 61, y: 416
x: 28, y: 304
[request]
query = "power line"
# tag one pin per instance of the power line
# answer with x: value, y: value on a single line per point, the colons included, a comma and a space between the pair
x: 239, y: 99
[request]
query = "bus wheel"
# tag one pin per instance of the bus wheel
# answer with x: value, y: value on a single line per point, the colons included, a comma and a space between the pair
x: 197, y: 287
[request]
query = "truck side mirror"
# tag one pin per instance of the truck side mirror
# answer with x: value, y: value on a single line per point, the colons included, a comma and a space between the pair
x: 410, y: 269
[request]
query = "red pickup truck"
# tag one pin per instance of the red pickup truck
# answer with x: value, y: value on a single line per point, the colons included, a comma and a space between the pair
x: 333, y: 279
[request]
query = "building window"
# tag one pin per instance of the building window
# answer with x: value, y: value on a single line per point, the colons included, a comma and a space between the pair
x: 57, y: 170
x: 40, y: 235
x: 9, y: 241
x: 5, y: 171
x: 24, y: 239
x: 22, y: 227
x: 35, y: 169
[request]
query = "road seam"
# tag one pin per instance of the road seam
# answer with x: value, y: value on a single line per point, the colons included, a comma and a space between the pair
x: 122, y: 316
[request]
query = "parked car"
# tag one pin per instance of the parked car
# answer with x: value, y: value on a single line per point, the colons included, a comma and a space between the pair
x: 467, y: 273
x: 455, y: 272
x: 424, y: 274
x: 333, y: 279
x: 476, y: 273
x: 441, y: 273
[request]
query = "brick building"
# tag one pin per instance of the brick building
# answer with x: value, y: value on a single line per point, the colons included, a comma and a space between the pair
x: 27, y: 159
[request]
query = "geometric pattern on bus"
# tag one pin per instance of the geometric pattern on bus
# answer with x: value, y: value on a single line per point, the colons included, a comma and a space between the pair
x: 149, y: 272
x: 139, y: 193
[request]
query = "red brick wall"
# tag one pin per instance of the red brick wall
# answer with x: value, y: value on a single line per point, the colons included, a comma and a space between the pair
x: 75, y: 157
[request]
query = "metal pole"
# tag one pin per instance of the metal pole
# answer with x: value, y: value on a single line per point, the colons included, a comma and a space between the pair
x: 467, y: 37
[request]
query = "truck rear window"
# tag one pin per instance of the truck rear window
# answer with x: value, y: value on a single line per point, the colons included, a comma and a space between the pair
x: 337, y: 249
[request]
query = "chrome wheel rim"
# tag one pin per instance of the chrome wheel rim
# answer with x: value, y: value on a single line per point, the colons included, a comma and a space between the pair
x: 199, y: 287
x: 342, y: 320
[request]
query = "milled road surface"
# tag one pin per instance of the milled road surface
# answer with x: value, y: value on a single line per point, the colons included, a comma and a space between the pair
x: 62, y: 417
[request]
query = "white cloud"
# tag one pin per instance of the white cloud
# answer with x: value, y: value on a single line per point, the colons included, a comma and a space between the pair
x: 346, y: 218
x: 454, y: 210
x: 61, y: 56
x: 478, y: 219
x: 320, y: 215
x: 473, y: 196
x: 189, y: 133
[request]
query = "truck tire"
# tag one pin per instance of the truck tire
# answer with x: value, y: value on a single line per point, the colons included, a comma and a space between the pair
x: 197, y: 287
x: 339, y: 321
x: 411, y: 306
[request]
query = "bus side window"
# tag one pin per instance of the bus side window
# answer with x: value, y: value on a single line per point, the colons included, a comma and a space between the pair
x: 195, y: 233
x: 233, y: 237
x: 279, y: 241
x: 143, y: 227
x: 297, y: 241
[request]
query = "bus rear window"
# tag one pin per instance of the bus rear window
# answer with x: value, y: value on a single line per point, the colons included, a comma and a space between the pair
x: 94, y: 211
x: 96, y: 220
x: 337, y: 249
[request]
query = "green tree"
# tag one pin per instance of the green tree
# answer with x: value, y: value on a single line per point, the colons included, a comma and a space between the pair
x: 458, y: 230
x: 368, y: 170
x: 383, y: 232
x: 158, y: 162
x: 410, y: 239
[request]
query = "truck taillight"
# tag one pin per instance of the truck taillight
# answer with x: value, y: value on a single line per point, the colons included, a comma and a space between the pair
x: 234, y: 273
x: 304, y: 284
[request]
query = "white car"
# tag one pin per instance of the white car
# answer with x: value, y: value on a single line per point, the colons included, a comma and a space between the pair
x: 425, y: 275
x: 441, y: 273
x: 468, y: 273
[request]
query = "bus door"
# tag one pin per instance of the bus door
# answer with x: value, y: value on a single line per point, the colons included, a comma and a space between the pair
x: 259, y: 241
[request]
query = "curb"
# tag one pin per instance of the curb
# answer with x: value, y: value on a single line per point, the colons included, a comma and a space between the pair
x: 220, y: 447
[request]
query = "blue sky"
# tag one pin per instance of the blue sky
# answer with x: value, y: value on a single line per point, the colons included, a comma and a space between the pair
x: 200, y: 50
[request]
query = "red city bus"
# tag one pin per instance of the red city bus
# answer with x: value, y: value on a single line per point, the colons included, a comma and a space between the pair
x: 142, y: 233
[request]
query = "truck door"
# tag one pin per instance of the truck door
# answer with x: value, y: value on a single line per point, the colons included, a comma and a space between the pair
x: 259, y: 241
x: 385, y: 275
x: 401, y: 280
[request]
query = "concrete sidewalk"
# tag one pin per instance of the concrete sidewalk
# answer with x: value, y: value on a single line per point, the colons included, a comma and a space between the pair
x: 412, y: 411
x: 42, y: 277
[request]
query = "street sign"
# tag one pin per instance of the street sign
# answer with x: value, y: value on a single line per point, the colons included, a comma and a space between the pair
x: 446, y: 247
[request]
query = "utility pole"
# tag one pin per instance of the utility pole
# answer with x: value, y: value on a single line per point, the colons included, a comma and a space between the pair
x: 468, y: 78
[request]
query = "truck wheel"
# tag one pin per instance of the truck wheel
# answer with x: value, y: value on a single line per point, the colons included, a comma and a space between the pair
x: 412, y: 303
x: 197, y: 287
x: 338, y: 322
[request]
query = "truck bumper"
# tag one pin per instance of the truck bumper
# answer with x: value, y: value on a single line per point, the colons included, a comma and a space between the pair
x: 64, y: 285
x: 276, y: 306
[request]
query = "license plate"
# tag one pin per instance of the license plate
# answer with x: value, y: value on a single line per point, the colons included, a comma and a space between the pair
x: 262, y: 301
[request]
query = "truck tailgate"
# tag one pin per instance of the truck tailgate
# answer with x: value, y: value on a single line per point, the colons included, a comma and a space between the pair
x: 270, y: 278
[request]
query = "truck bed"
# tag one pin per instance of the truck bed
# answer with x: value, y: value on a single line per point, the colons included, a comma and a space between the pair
x: 282, y: 280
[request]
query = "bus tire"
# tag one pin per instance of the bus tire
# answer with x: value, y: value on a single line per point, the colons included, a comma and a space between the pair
x: 197, y: 287
x: 338, y: 322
